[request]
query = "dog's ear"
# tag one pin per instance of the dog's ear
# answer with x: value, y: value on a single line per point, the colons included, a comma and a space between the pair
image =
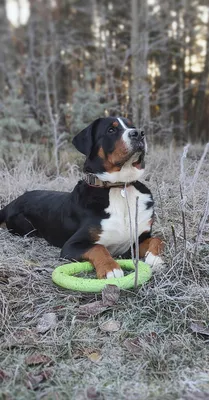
x: 83, y: 141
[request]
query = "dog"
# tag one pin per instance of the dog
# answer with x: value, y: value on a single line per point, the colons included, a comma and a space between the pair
x: 93, y: 221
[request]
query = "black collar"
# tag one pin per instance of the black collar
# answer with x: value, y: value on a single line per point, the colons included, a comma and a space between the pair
x: 92, y: 180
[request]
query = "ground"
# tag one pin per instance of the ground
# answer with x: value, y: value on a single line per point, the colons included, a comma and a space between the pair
x: 160, y: 347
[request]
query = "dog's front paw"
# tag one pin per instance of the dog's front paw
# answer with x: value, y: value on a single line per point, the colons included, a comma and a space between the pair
x: 109, y: 269
x: 115, y: 273
x: 155, y: 262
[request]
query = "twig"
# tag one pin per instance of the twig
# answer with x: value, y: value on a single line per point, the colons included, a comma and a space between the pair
x: 54, y: 120
x: 183, y: 218
x: 183, y: 200
x: 174, y: 238
x: 137, y: 245
x: 161, y: 203
x: 134, y: 259
x: 130, y: 224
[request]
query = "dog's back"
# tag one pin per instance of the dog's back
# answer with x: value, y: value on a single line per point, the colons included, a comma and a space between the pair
x: 39, y: 213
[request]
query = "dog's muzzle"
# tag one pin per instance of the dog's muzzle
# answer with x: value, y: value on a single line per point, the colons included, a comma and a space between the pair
x: 137, y: 139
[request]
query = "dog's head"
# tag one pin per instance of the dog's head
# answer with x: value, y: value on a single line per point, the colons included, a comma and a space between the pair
x: 114, y: 149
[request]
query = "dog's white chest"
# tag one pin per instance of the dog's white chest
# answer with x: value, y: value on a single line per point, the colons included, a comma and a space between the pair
x: 115, y: 234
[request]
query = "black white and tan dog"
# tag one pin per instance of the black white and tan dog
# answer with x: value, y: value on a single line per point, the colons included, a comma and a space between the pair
x: 92, y: 223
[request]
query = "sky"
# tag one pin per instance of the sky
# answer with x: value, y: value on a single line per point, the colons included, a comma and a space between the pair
x: 18, y: 16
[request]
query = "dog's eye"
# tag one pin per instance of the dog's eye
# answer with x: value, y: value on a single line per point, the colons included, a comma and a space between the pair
x: 142, y: 134
x: 111, y: 130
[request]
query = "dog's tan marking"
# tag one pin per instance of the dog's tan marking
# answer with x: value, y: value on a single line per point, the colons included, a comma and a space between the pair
x: 115, y: 124
x: 119, y: 155
x: 101, y: 153
x: 109, y: 167
x: 152, y: 245
x: 101, y: 259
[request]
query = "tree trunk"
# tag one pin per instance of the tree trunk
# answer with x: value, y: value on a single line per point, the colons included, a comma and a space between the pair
x: 165, y: 64
x: 135, y: 60
x: 4, y: 34
x: 198, y: 114
x: 144, y: 50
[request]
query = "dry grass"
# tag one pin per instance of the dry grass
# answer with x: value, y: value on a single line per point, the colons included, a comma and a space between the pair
x: 171, y: 362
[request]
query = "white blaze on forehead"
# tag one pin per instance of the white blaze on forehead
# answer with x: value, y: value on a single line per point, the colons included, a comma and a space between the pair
x: 122, y: 124
x: 125, y: 134
x: 125, y: 127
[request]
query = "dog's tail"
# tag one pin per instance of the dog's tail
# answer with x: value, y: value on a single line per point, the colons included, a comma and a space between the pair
x: 2, y: 215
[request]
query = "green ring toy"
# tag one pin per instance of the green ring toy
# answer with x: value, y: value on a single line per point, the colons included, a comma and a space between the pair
x: 63, y: 276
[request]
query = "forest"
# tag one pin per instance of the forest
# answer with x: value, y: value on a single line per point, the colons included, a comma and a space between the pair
x: 64, y: 63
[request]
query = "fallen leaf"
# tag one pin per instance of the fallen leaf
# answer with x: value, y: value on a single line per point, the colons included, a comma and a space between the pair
x: 110, y: 326
x: 93, y: 394
x: 34, y: 379
x: 86, y: 310
x: 110, y: 295
x: 94, y: 357
x: 199, y: 328
x: 38, y: 359
x: 133, y: 345
x: 3, y: 375
x: 46, y: 322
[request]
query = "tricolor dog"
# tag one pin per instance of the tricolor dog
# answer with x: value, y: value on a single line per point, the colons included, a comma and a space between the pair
x: 93, y: 222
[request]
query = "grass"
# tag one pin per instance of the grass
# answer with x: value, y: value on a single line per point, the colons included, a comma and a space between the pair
x: 170, y: 361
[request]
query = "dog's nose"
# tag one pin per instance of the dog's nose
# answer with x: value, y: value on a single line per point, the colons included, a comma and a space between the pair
x: 136, y: 134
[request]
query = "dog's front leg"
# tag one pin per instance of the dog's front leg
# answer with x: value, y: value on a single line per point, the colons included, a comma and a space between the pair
x: 96, y: 254
x: 152, y: 249
x: 104, y: 264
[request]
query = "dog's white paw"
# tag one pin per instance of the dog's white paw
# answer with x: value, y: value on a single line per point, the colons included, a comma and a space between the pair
x: 115, y: 273
x: 155, y: 262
